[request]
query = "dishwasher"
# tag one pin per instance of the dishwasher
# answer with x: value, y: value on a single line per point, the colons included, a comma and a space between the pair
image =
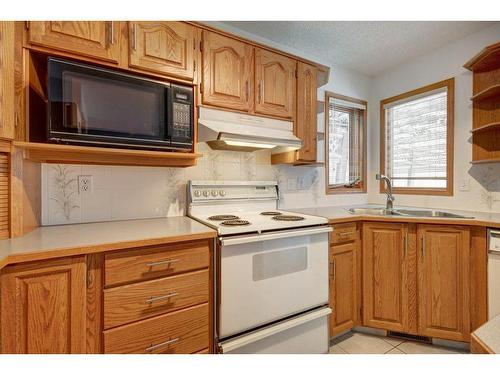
x: 493, y: 273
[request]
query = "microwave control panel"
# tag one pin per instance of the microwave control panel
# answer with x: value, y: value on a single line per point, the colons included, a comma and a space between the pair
x: 182, y: 114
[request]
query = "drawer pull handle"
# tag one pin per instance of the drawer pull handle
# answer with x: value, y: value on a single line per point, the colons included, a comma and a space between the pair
x: 154, y: 347
x: 167, y: 261
x: 161, y: 298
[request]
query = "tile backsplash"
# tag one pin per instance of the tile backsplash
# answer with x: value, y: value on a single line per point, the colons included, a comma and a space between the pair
x: 120, y: 193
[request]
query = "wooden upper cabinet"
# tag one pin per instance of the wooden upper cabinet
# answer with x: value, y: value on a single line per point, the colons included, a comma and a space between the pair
x: 274, y: 84
x: 95, y: 39
x: 306, y: 120
x: 227, y: 72
x: 43, y: 307
x: 386, y: 291
x: 443, y: 280
x: 343, y: 287
x: 163, y: 47
x: 6, y: 79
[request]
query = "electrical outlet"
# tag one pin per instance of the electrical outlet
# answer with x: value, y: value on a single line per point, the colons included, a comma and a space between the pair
x: 292, y: 184
x: 301, y: 183
x: 85, y: 184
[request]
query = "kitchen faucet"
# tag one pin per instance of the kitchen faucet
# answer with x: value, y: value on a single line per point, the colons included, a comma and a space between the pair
x: 390, y: 197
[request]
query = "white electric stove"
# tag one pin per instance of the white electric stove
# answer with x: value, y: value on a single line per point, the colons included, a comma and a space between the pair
x: 272, y: 268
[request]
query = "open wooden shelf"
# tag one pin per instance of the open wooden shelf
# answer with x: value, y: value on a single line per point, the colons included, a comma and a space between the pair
x: 487, y: 93
x: 55, y: 153
x: 491, y: 126
x: 486, y: 161
x: 487, y: 59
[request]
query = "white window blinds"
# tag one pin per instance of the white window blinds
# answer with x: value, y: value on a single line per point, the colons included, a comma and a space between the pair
x: 415, y: 140
x: 344, y: 143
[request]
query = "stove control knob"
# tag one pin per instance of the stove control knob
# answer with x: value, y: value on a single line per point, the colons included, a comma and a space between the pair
x: 222, y: 193
x: 214, y: 193
x: 206, y: 193
x: 197, y: 193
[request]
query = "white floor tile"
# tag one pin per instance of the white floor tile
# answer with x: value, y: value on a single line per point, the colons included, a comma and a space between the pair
x: 335, y: 349
x: 420, y: 348
x: 395, y: 351
x: 365, y: 344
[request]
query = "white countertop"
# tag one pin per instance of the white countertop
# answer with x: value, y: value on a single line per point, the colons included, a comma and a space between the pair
x: 489, y: 334
x: 340, y: 214
x: 65, y: 240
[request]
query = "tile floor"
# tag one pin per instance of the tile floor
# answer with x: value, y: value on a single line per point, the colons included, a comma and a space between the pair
x: 362, y: 343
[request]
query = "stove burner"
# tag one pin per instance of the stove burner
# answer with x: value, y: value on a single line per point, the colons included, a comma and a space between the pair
x: 223, y: 217
x: 287, y: 218
x: 235, y: 223
x: 270, y: 213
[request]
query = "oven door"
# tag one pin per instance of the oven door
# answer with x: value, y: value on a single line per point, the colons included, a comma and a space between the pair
x: 271, y: 276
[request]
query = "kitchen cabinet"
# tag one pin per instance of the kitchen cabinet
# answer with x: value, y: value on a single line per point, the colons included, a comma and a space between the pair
x: 306, y: 118
x: 95, y: 39
x: 387, y: 299
x: 227, y: 79
x: 443, y: 281
x: 44, y: 307
x: 344, y: 281
x: 163, y: 47
x: 6, y: 79
x: 275, y: 84
x: 416, y: 279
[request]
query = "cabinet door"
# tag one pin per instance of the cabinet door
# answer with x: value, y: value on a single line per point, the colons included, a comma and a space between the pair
x: 162, y: 47
x: 43, y: 307
x: 306, y: 119
x: 386, y: 295
x: 96, y: 39
x: 275, y: 84
x: 227, y: 72
x: 6, y: 79
x: 443, y: 281
x: 343, y: 287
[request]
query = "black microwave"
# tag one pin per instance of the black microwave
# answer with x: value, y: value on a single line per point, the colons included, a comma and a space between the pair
x: 89, y: 105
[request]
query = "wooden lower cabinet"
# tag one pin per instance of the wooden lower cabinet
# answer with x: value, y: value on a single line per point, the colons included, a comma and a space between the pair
x: 416, y: 279
x: 343, y: 287
x: 443, y: 282
x: 43, y: 307
x: 386, y: 296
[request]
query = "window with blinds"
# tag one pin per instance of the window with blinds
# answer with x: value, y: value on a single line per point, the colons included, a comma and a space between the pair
x: 416, y: 129
x: 345, y: 143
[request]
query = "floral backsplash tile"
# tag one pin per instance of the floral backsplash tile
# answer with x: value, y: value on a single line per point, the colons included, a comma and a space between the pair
x: 121, y: 193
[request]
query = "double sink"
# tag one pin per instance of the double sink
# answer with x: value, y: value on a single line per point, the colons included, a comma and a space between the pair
x: 405, y: 212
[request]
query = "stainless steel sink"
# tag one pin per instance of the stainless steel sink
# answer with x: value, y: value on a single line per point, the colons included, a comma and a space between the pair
x: 431, y: 213
x: 404, y: 212
x: 373, y: 211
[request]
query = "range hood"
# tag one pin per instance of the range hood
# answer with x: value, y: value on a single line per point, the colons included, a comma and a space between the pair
x: 223, y: 130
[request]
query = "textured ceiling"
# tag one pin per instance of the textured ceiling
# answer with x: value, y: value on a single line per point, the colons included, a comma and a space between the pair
x: 369, y: 47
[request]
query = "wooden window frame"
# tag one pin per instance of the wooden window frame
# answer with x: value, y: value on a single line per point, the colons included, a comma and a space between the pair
x: 450, y: 111
x: 362, y: 187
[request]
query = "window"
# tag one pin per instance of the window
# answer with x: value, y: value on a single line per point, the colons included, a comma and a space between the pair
x: 345, y: 126
x: 416, y: 136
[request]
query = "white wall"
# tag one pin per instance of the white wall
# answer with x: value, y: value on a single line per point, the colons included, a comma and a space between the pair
x: 443, y: 63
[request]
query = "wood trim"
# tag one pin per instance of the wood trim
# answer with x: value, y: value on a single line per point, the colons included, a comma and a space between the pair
x: 329, y: 189
x: 478, y: 277
x: 56, y: 153
x: 477, y: 346
x: 487, y: 59
x: 94, y: 324
x: 448, y: 191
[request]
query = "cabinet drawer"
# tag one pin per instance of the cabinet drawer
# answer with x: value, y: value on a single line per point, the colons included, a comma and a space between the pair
x: 180, y: 332
x: 344, y: 233
x: 129, y: 303
x: 154, y: 262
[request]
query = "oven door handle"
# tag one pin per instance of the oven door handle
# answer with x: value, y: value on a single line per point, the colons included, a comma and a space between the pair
x: 275, y: 235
